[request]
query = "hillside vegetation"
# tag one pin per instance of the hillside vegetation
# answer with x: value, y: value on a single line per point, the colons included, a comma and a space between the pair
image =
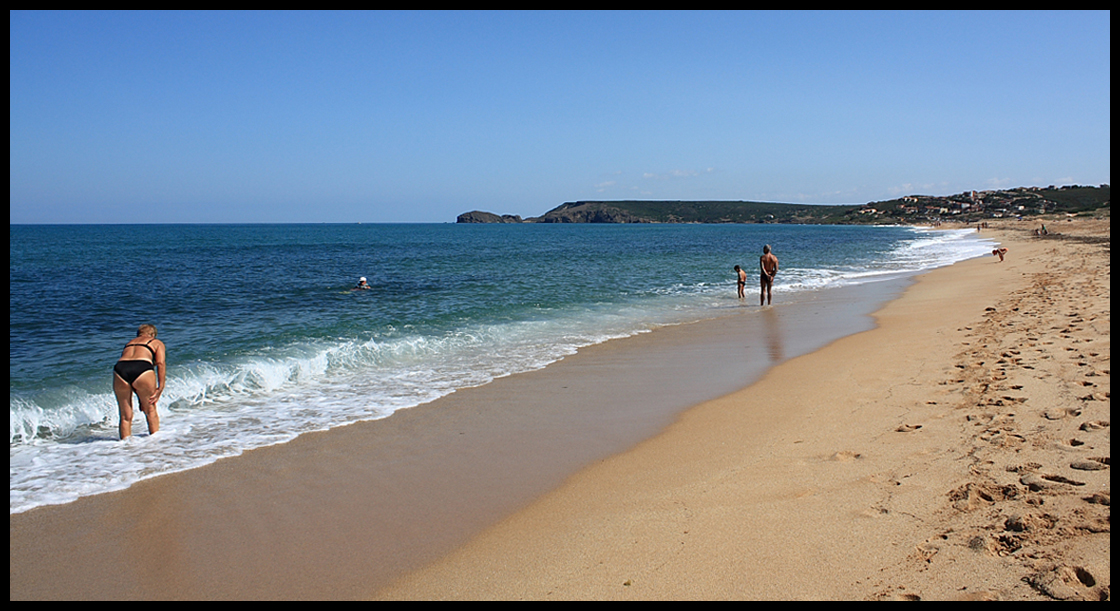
x: 967, y: 207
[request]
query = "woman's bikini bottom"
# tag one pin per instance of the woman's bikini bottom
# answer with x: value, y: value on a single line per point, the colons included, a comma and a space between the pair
x: 130, y: 370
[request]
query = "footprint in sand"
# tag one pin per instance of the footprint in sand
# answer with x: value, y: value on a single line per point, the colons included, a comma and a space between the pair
x: 1099, y: 498
x: 907, y: 428
x: 1068, y: 583
x: 1037, y: 482
x: 846, y: 456
x: 1091, y: 464
x: 1058, y: 414
x: 1094, y: 425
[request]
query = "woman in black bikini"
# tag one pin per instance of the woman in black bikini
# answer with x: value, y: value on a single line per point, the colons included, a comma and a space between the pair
x: 142, y: 369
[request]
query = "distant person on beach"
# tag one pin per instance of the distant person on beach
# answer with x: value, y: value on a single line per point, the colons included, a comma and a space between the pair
x: 768, y: 268
x: 1000, y: 252
x: 362, y: 285
x: 142, y: 369
x: 741, y: 276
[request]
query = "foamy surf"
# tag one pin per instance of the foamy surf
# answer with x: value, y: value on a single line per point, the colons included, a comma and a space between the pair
x: 261, y: 389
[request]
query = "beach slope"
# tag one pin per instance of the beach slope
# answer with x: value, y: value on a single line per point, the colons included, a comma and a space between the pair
x: 958, y: 451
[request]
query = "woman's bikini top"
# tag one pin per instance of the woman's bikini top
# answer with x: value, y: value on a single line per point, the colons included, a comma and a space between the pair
x: 150, y: 349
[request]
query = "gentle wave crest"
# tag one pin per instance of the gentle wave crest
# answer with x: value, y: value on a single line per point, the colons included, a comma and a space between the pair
x: 211, y: 411
x: 63, y: 442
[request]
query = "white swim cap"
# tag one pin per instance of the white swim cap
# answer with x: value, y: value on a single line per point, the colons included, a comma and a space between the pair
x: 362, y: 279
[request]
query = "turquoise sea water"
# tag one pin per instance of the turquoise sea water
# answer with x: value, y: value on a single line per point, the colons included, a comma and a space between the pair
x: 266, y: 340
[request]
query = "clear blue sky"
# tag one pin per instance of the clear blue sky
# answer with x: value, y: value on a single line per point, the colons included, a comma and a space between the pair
x: 416, y: 117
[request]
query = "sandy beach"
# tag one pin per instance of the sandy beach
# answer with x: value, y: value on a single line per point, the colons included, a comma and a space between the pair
x: 957, y: 450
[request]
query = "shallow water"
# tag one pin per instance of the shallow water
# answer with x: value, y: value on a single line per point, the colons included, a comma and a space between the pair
x: 267, y: 341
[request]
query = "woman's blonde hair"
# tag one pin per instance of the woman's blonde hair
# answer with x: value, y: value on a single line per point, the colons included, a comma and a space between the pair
x: 147, y: 330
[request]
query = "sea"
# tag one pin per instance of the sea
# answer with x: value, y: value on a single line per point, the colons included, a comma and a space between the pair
x: 267, y: 340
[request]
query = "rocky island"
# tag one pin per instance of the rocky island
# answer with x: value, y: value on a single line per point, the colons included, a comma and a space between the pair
x: 967, y: 207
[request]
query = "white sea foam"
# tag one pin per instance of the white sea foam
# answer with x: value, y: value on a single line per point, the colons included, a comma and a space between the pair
x: 212, y: 410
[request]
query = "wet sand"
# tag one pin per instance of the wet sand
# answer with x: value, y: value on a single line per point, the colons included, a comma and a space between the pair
x: 342, y: 513
x: 912, y: 460
x: 959, y: 451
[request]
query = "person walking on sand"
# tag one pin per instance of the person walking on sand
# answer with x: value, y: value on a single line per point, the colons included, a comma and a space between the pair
x: 741, y: 276
x: 142, y: 369
x: 768, y: 268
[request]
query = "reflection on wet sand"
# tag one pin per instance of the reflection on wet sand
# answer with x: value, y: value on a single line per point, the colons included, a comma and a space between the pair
x: 772, y: 325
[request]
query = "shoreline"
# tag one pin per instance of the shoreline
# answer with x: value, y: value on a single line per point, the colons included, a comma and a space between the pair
x: 292, y: 521
x: 958, y: 451
x: 352, y: 508
x: 66, y: 436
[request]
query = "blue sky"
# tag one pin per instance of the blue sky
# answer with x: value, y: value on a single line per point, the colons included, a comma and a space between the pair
x: 207, y: 117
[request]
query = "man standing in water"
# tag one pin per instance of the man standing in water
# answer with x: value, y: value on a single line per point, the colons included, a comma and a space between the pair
x: 768, y: 268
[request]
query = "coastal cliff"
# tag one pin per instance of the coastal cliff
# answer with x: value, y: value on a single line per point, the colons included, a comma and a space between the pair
x: 487, y: 217
x: 638, y: 211
x: 967, y: 207
x: 591, y: 212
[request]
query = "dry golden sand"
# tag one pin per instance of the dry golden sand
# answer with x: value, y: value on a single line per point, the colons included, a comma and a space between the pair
x: 959, y: 451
